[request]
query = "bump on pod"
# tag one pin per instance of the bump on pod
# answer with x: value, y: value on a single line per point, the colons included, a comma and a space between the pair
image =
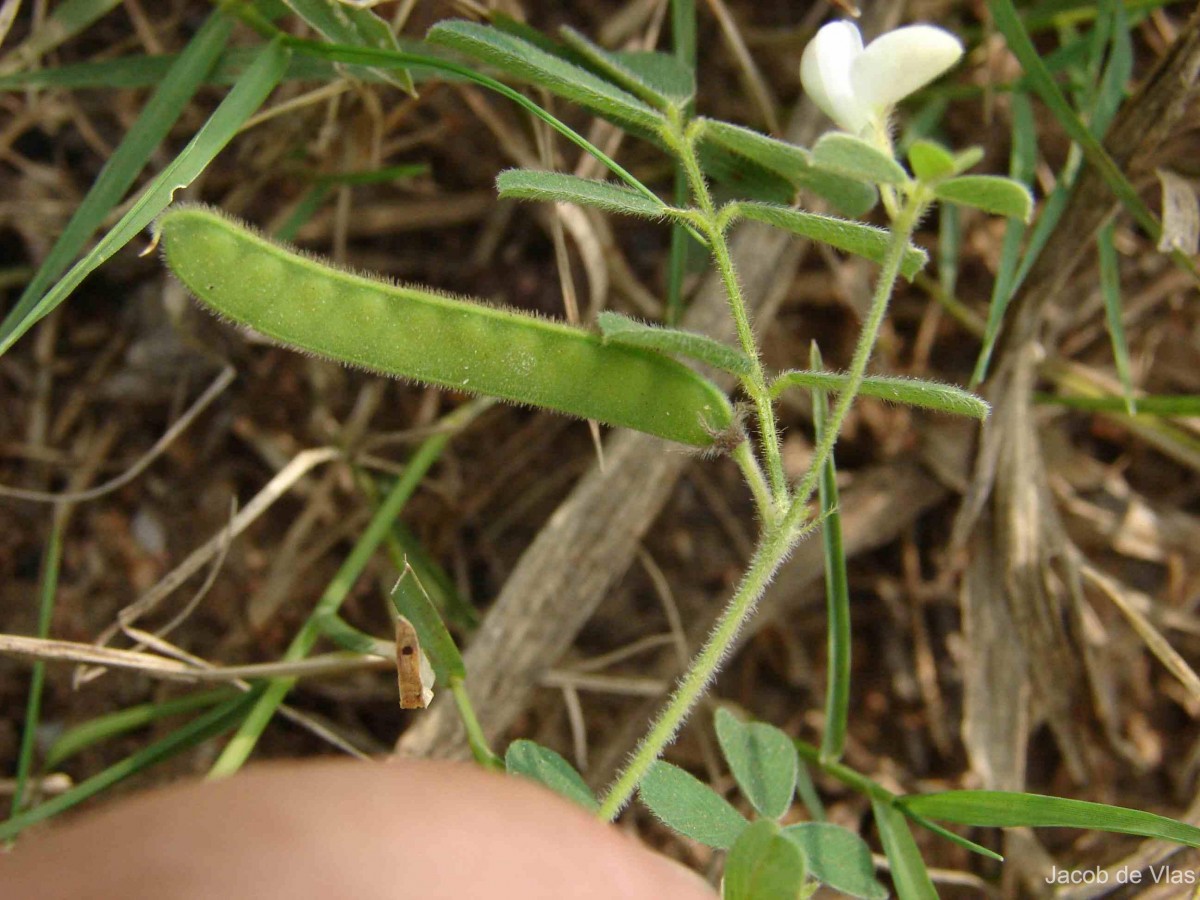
x: 421, y: 335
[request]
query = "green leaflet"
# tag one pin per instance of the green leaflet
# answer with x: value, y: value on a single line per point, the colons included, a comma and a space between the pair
x: 851, y: 237
x: 423, y: 336
x: 559, y: 187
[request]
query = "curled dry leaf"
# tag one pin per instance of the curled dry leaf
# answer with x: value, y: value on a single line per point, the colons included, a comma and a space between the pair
x: 413, y: 670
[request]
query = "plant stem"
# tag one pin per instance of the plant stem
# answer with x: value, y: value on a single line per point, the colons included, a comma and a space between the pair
x: 902, y: 228
x: 757, y: 482
x: 476, y: 739
x: 776, y: 541
x: 844, y: 774
x: 755, y: 384
x: 772, y: 549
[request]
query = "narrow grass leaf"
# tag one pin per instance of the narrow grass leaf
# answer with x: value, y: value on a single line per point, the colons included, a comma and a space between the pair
x: 689, y: 806
x: 837, y: 590
x: 1147, y: 405
x: 621, y: 329
x: 1021, y: 167
x: 456, y: 609
x: 47, y: 591
x: 991, y: 193
x: 1008, y: 23
x: 413, y: 602
x: 931, y: 161
x: 558, y: 187
x: 909, y: 875
x: 242, y: 101
x: 543, y: 765
x: 525, y: 61
x: 112, y: 725
x: 1110, y: 291
x: 683, y: 47
x: 949, y: 249
x: 140, y: 71
x: 1008, y: 809
x: 851, y: 237
x: 838, y: 858
x: 658, y: 79
x: 217, y: 720
x: 1110, y: 91
x: 350, y: 638
x: 853, y: 157
x: 763, y: 762
x: 910, y: 391
x: 763, y: 865
x: 949, y: 835
x: 152, y: 125
x: 238, y: 750
x: 806, y: 790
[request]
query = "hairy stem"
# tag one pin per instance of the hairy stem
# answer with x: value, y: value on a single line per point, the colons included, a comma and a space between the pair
x: 902, y: 228
x: 772, y: 549
x: 755, y: 384
x: 777, y: 540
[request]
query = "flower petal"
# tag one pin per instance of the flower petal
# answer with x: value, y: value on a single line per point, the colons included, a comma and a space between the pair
x: 825, y: 73
x: 900, y: 62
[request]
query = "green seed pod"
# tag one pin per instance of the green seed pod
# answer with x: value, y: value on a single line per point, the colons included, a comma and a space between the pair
x: 428, y: 337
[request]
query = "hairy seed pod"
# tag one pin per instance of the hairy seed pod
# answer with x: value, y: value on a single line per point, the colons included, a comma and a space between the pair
x: 423, y: 336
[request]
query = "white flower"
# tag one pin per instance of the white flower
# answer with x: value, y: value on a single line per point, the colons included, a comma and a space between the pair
x: 857, y: 87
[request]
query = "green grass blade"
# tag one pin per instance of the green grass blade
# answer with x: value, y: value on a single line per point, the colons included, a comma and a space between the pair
x: 806, y: 790
x: 949, y: 835
x: 1010, y: 809
x: 313, y: 199
x: 212, y: 723
x: 1156, y: 405
x: 1021, y: 166
x: 683, y: 43
x: 1110, y: 290
x: 1110, y: 91
x: 909, y: 874
x: 47, y: 590
x: 141, y: 71
x: 837, y: 592
x: 1007, y: 21
x: 238, y: 750
x: 403, y: 544
x: 152, y: 126
x: 242, y: 101
x: 949, y: 248
x: 123, y: 721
